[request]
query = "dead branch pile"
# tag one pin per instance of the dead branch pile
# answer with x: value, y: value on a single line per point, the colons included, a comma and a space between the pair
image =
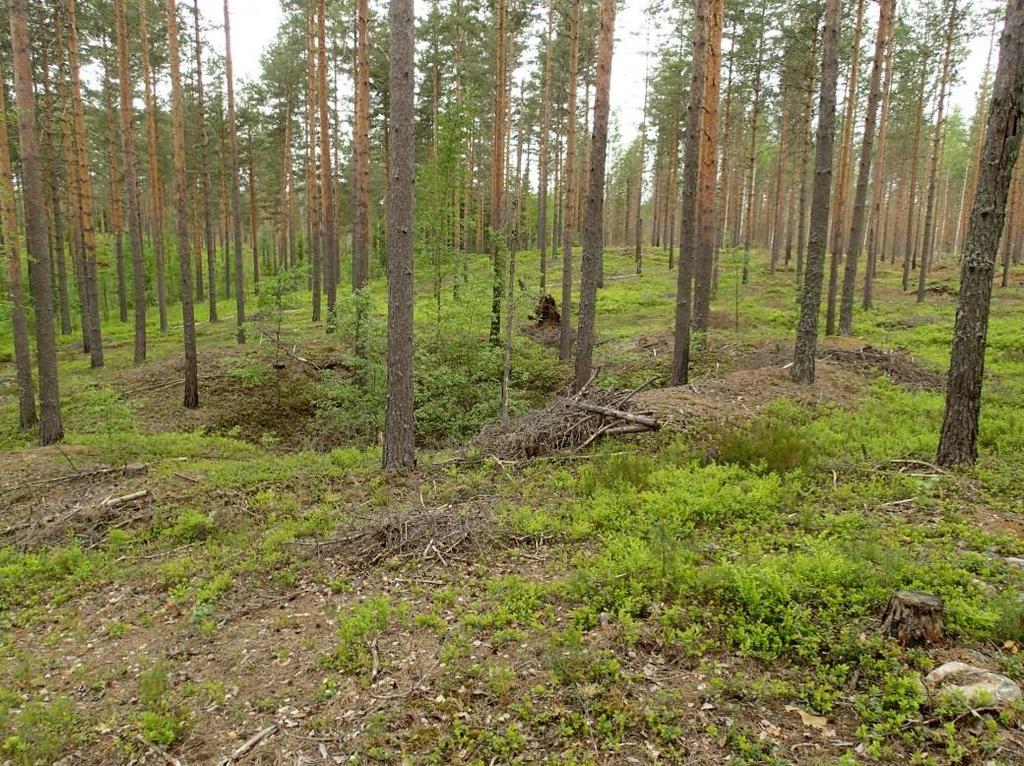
x: 897, y: 365
x: 86, y: 520
x: 439, y: 535
x: 567, y: 423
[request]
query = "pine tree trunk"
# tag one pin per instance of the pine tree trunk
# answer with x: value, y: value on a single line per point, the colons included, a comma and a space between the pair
x: 876, y: 230
x: 909, y: 255
x: 131, y: 180
x: 688, y: 213
x: 312, y: 174
x: 843, y: 179
x: 191, y: 395
x: 37, y: 241
x: 593, y: 234
x: 116, y: 180
x: 361, y: 222
x: 810, y: 294
x: 52, y: 182
x: 971, y: 179
x: 724, y: 198
x: 85, y: 196
x: 855, y: 243
x: 545, y: 130
x: 705, y: 237
x: 779, y: 203
x: 805, y: 156
x: 752, y: 154
x: 937, y: 142
x: 74, y: 210
x: 12, y: 243
x: 568, y: 181
x: 958, y: 442
x: 204, y: 174
x: 155, y: 188
x: 329, y: 233
x: 236, y: 201
x: 399, y: 427
x: 640, y: 168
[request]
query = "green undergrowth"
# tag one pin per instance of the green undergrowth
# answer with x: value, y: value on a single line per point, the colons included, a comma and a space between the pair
x: 758, y: 554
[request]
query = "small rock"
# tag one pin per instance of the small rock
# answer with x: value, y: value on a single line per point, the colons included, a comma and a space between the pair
x: 976, y: 685
x: 1014, y: 561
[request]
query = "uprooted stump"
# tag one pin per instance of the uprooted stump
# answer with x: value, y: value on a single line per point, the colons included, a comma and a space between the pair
x: 567, y: 423
x: 546, y: 312
x: 913, y: 618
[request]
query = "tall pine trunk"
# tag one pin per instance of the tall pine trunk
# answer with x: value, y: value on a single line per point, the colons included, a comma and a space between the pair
x: 593, y: 233
x: 329, y: 233
x: 876, y: 230
x: 236, y: 200
x: 191, y: 394
x: 132, y: 198
x: 37, y: 240
x: 688, y: 213
x: 860, y: 196
x: 705, y: 235
x: 937, y: 141
x: 843, y: 179
x: 568, y: 183
x: 909, y: 253
x: 12, y: 243
x: 85, y: 195
x: 958, y: 442
x: 204, y: 175
x: 399, y: 426
x: 155, y: 186
x: 545, y: 141
x: 810, y: 295
x: 361, y: 223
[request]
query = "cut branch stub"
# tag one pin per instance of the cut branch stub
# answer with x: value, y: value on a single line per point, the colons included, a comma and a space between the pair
x: 913, y: 617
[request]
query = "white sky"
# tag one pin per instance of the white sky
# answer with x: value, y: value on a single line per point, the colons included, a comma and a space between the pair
x: 254, y: 24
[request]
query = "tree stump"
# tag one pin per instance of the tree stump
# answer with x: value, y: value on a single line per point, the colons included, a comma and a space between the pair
x: 913, y: 618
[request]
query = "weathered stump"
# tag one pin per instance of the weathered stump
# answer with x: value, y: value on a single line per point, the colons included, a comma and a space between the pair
x: 913, y: 617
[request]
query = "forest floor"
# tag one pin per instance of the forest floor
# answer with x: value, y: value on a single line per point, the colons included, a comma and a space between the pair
x: 241, y: 584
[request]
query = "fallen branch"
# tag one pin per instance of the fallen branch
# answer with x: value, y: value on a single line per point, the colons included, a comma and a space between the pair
x: 249, y: 744
x: 160, y: 752
x: 282, y: 347
x: 131, y: 469
x: 642, y: 420
x: 114, y: 502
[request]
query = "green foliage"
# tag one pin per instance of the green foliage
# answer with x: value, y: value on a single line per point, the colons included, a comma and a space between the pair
x: 160, y: 721
x: 190, y: 526
x: 357, y: 627
x: 41, y: 732
x: 773, y: 440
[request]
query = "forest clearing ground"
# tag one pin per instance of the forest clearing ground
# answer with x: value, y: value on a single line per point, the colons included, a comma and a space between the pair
x: 711, y: 591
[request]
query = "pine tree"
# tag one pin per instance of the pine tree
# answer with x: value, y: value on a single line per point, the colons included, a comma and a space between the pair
x: 810, y: 295
x: 399, y: 427
x: 593, y: 229
x: 958, y: 442
x: 855, y: 243
x: 51, y: 429
x: 84, y: 195
x: 12, y: 243
x: 131, y: 179
x: 361, y: 221
x: 236, y: 202
x: 155, y: 185
x: 191, y: 396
